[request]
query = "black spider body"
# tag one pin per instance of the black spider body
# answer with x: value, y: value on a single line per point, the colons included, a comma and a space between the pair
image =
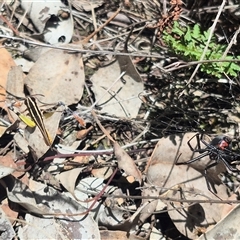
x: 218, y: 150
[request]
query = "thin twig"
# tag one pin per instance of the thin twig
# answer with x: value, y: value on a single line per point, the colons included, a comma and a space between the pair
x: 9, y: 25
x: 77, y: 49
x: 170, y: 199
x: 101, y: 27
x: 233, y: 40
x: 101, y: 127
x: 181, y: 64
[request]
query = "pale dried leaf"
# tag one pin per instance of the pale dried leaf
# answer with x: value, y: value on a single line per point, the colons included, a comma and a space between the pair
x: 229, y: 207
x: 62, y: 34
x: 34, y: 226
x: 81, y: 159
x: 6, y: 62
x: 46, y: 17
x: 112, y: 217
x: 192, y: 185
x: 122, y: 99
x: 12, y: 215
x: 86, y: 5
x: 58, y: 76
x: 104, y: 172
x: 66, y: 227
x: 126, y: 65
x: 9, y: 165
x: 70, y: 138
x: 94, y: 185
x: 68, y: 179
x: 6, y: 228
x: 149, y: 209
x: 59, y: 229
x: 34, y: 53
x: 175, y: 148
x: 5, y: 171
x: 227, y: 228
x: 19, y: 193
x: 38, y: 200
x: 2, y: 130
x: 21, y: 142
x: 109, y: 235
x: 25, y: 64
x: 15, y: 82
x: 156, y: 233
x: 126, y: 163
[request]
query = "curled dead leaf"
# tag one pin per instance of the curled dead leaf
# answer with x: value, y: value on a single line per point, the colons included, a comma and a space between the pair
x: 126, y: 163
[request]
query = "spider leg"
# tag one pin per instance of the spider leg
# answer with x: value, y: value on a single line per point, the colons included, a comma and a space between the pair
x: 198, y: 142
x: 196, y: 158
x: 199, y: 138
x: 227, y: 165
x: 230, y: 156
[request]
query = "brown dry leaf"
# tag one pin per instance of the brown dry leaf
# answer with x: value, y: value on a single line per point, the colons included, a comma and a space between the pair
x: 104, y: 172
x: 86, y: 5
x: 161, y: 172
x: 42, y: 199
x: 122, y: 99
x: 7, y: 165
x: 14, y: 86
x: 126, y: 65
x: 58, y: 76
x: 6, y: 62
x: 172, y: 147
x: 227, y: 228
x: 126, y: 163
x: 21, y: 142
x: 81, y: 159
x: 7, y: 161
x: 12, y: 215
x: 109, y: 235
x: 83, y: 133
x: 228, y: 207
x: 175, y: 148
x: 151, y: 206
x: 68, y: 179
x: 52, y: 228
x: 192, y: 186
x: 15, y: 82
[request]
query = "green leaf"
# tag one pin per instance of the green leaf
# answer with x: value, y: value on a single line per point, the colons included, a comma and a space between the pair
x: 188, y: 35
x: 205, y: 35
x: 189, y: 43
x: 196, y: 31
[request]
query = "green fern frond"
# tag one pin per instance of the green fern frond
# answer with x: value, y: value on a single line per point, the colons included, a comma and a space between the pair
x: 189, y: 43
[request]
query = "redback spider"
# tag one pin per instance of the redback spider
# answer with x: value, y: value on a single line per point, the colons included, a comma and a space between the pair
x: 218, y: 150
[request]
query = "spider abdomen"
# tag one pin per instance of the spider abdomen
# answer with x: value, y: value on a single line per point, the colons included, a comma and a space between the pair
x: 222, y: 142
